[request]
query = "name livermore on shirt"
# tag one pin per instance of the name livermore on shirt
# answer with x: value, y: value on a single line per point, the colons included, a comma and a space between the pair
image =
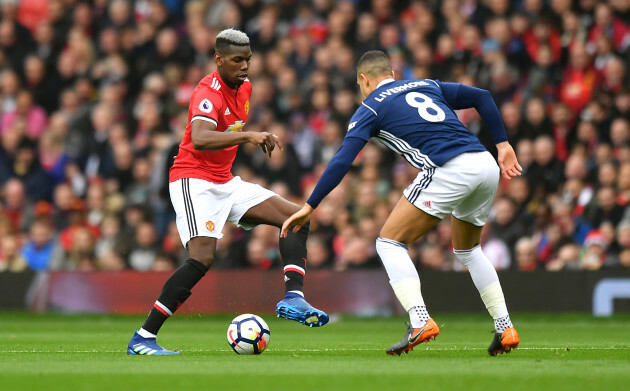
x: 414, y: 119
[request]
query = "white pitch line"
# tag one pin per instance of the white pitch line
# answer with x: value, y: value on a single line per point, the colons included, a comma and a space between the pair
x: 566, y: 348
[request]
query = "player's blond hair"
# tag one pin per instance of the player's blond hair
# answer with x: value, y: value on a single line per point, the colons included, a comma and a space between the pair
x: 229, y: 37
x: 374, y: 63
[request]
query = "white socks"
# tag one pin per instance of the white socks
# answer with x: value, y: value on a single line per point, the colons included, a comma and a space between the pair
x: 405, y: 282
x: 403, y: 278
x: 486, y: 280
x: 145, y: 334
x: 419, y: 316
x: 502, y: 323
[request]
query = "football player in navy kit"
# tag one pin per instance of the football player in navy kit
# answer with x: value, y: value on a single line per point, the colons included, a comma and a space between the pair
x: 416, y: 119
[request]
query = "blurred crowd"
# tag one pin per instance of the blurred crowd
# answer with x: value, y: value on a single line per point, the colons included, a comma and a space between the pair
x: 95, y: 97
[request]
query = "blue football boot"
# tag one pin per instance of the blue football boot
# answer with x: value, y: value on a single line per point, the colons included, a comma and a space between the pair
x: 146, y: 347
x: 294, y: 307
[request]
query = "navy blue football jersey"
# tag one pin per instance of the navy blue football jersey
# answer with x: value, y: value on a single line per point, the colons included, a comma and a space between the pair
x: 414, y: 119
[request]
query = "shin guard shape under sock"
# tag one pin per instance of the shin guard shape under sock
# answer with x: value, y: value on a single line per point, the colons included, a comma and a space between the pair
x: 293, y: 253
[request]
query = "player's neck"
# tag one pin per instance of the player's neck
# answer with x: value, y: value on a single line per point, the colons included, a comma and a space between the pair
x: 378, y: 82
x: 232, y: 86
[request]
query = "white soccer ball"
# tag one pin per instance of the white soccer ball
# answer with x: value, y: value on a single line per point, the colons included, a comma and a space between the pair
x: 248, y: 334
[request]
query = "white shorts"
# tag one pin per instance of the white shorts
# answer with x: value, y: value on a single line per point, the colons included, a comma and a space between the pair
x: 203, y: 207
x: 465, y: 186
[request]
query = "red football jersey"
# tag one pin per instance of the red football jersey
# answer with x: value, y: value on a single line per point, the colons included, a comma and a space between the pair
x: 213, y: 101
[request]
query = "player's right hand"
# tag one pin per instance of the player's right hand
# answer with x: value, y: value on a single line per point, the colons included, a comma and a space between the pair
x: 507, y: 161
x: 266, y: 141
x: 297, y: 220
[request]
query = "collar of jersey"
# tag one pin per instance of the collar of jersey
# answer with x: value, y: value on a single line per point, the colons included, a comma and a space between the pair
x: 227, y: 89
x: 383, y: 82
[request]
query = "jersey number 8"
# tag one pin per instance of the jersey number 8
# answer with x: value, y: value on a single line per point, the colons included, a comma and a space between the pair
x: 424, y: 105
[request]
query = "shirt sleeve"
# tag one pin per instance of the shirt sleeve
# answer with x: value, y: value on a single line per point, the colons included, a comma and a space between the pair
x: 337, y: 169
x: 363, y: 123
x: 205, y: 106
x: 461, y: 96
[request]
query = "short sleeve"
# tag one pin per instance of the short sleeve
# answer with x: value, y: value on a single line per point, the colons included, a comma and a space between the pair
x: 363, y: 123
x: 206, y: 105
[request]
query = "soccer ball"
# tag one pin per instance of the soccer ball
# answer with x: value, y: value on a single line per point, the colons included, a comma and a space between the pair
x: 248, y: 334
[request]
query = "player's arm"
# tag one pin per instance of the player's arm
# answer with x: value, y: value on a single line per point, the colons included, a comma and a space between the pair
x: 332, y: 176
x: 461, y: 96
x: 205, y: 137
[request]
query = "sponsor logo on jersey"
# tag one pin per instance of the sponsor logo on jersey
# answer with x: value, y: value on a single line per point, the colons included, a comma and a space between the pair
x: 236, y: 127
x: 247, y: 107
x: 210, y: 225
x: 227, y: 111
x: 215, y: 84
x: 352, y: 125
x: 205, y: 106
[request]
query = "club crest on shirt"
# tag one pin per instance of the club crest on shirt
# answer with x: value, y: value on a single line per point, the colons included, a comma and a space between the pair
x: 210, y: 225
x: 205, y: 106
x: 247, y: 107
x: 236, y: 127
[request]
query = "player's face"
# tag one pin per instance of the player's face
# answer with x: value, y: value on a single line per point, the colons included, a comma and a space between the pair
x: 233, y: 64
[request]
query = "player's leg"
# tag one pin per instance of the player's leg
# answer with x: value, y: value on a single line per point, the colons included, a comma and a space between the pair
x: 466, y: 239
x: 174, y: 293
x: 467, y: 223
x: 266, y: 207
x: 199, y: 222
x: 177, y: 288
x: 274, y: 211
x: 402, y: 228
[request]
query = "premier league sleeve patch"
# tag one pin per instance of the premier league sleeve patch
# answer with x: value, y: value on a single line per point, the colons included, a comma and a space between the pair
x: 205, y: 106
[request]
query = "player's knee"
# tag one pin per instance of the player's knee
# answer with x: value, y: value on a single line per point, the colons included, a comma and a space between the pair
x: 205, y: 259
x: 467, y: 256
x: 202, y: 249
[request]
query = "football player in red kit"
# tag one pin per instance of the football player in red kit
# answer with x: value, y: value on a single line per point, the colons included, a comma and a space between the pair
x: 205, y: 194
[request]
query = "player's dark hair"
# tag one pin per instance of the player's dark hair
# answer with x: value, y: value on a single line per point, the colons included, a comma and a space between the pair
x: 374, y: 63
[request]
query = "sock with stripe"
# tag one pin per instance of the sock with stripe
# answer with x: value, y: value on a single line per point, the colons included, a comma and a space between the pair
x: 486, y: 281
x: 174, y: 293
x: 293, y: 253
x: 404, y: 279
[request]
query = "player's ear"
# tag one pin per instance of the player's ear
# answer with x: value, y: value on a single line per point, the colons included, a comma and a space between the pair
x: 365, y: 79
x: 218, y: 59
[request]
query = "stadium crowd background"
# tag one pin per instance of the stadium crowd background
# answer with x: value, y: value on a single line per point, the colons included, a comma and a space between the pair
x: 95, y: 96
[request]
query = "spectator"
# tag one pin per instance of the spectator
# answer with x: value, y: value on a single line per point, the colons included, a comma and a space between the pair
x: 10, y: 258
x: 525, y: 250
x: 579, y: 80
x: 42, y: 251
x: 495, y: 249
x: 33, y: 117
x: 546, y: 171
x: 143, y: 253
x: 505, y: 225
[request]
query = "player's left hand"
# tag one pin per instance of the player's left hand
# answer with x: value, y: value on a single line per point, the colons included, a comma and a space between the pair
x: 507, y: 161
x: 296, y: 221
x: 270, y: 144
x: 265, y: 140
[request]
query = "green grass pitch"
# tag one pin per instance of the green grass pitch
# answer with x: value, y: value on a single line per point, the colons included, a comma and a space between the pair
x: 88, y: 352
